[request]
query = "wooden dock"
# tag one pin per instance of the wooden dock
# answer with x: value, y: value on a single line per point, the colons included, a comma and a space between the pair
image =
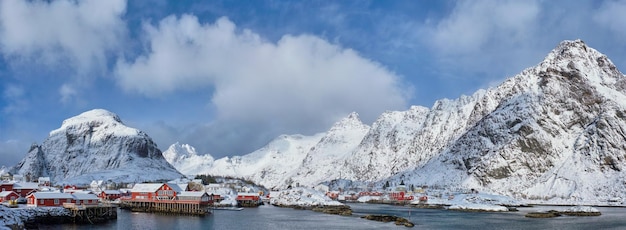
x: 166, y: 206
x: 91, y: 213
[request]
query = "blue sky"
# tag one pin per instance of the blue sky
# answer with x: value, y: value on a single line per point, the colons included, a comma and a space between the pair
x: 228, y: 76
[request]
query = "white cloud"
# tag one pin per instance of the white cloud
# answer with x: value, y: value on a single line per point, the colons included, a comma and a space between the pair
x: 300, y: 83
x: 69, y: 34
x: 472, y: 25
x: 68, y: 93
x: 13, y: 96
x: 611, y: 15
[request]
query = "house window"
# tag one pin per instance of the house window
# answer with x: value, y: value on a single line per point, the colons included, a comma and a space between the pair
x: 56, y: 201
x: 68, y: 201
x: 40, y: 201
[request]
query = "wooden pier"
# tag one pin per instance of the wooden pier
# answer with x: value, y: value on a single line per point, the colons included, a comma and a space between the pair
x: 166, y: 206
x: 91, y: 213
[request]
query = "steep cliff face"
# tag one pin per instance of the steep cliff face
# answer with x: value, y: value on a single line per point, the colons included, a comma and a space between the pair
x: 96, y: 145
x: 559, y: 134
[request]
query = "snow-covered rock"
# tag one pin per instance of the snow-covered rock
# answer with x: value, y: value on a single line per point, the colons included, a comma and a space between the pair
x: 556, y: 132
x: 302, y: 197
x: 581, y: 209
x: 96, y: 145
x: 14, y: 218
x: 475, y: 202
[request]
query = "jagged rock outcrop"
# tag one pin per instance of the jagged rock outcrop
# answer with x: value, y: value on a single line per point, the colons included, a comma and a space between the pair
x: 559, y: 133
x: 96, y: 145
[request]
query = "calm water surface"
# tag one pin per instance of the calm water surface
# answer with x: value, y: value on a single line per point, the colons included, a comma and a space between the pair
x: 271, y: 218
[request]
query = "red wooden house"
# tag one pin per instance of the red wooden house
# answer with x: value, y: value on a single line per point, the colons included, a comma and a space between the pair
x: 85, y: 199
x: 201, y: 198
x: 49, y: 199
x: 25, y: 188
x: 248, y: 199
x: 110, y: 194
x: 6, y: 186
x: 153, y: 191
x: 8, y: 195
x: 400, y: 196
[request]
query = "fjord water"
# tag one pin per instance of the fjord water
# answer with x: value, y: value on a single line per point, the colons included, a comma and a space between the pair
x: 271, y: 218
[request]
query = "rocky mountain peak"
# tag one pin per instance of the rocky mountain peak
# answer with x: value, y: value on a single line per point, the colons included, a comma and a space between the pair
x: 575, y: 61
x: 352, y: 121
x: 96, y: 145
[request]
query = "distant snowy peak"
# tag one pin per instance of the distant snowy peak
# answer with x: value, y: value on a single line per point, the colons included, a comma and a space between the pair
x: 352, y: 121
x: 179, y: 151
x: 186, y: 160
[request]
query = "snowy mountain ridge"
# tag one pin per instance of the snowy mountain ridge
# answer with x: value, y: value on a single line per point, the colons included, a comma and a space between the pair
x: 96, y: 145
x: 554, y: 131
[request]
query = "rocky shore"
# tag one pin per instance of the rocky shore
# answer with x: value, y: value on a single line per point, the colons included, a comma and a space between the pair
x: 389, y: 218
x: 33, y: 217
x: 343, y: 210
x: 573, y: 211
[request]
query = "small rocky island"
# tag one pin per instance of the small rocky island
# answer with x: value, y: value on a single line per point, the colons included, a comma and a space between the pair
x: 389, y: 218
x: 572, y: 211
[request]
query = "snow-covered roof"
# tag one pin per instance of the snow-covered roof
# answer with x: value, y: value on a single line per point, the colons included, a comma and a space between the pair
x: 146, y: 187
x: 25, y: 185
x: 247, y: 194
x: 5, y: 193
x: 85, y: 196
x: 112, y: 192
x: 191, y: 194
x: 176, y: 187
x: 52, y: 195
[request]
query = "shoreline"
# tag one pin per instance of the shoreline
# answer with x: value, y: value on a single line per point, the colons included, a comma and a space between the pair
x: 31, y: 217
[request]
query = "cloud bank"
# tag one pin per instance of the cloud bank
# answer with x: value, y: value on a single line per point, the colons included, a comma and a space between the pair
x: 298, y: 84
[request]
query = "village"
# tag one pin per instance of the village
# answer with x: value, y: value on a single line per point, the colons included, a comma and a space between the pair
x: 195, y: 196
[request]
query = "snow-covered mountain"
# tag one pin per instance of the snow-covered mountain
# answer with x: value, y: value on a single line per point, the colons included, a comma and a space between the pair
x: 287, y: 160
x: 560, y: 133
x: 556, y: 130
x: 96, y: 145
x: 186, y: 160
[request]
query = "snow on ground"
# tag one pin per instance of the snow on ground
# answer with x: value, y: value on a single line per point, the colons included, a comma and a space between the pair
x: 228, y: 201
x: 475, y: 201
x: 581, y: 209
x: 17, y: 216
x: 365, y: 199
x: 303, y: 197
x: 479, y: 207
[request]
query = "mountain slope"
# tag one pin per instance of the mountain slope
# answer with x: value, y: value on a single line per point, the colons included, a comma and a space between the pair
x: 556, y: 131
x: 287, y: 160
x: 560, y: 134
x: 96, y: 145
